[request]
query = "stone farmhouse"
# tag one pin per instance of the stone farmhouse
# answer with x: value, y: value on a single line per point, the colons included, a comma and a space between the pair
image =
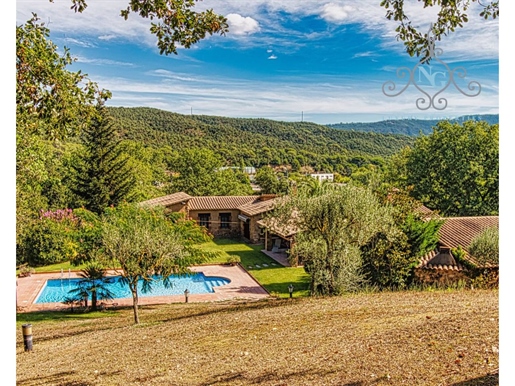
x: 222, y: 216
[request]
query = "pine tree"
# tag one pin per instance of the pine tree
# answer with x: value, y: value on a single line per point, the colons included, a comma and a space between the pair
x: 103, y: 178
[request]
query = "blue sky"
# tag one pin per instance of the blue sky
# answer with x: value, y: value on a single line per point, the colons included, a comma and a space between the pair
x: 321, y: 61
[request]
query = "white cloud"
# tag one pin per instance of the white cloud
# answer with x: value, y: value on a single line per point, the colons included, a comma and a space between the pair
x: 363, y: 54
x: 239, y: 25
x: 103, y: 62
x: 77, y: 42
x: 285, y: 98
x: 272, y: 57
x: 107, y: 37
x: 335, y: 13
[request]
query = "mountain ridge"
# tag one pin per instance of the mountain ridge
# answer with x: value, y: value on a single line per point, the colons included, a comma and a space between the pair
x: 410, y: 127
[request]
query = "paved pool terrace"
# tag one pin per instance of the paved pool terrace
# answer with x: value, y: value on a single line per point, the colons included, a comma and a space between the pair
x: 242, y: 286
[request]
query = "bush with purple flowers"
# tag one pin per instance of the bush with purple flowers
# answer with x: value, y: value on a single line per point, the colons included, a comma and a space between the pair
x: 59, y: 235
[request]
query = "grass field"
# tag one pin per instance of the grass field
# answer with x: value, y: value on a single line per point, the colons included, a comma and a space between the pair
x: 404, y: 338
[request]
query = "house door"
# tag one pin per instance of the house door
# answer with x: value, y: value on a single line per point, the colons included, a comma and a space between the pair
x: 246, y: 230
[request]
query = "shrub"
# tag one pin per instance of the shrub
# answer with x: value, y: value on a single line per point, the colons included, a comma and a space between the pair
x: 26, y: 270
x: 233, y: 259
x: 485, y: 247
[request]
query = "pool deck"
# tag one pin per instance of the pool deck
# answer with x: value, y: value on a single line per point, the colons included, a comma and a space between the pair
x: 242, y: 286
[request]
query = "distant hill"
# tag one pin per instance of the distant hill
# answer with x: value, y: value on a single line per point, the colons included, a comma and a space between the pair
x: 254, y: 141
x: 411, y: 127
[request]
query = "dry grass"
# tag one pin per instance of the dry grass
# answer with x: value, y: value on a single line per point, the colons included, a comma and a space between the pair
x: 408, y: 338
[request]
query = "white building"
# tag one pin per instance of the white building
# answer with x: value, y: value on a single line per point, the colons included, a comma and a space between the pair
x: 323, y: 176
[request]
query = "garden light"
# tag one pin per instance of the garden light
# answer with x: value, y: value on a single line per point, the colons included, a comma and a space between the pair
x: 27, y: 336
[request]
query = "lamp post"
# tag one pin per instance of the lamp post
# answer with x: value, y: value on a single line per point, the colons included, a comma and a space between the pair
x: 27, y: 336
x: 186, y: 295
x: 290, y: 290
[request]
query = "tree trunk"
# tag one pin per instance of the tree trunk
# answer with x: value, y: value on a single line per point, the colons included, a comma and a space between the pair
x: 94, y: 300
x: 134, y: 291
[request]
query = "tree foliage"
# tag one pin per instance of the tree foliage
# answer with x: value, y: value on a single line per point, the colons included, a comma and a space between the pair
x: 485, y: 247
x: 94, y: 283
x: 52, y: 105
x: 199, y: 172
x: 144, y: 245
x: 456, y: 169
x: 102, y: 176
x: 178, y: 24
x: 257, y: 142
x: 451, y: 15
x: 391, y: 254
x: 57, y: 236
x: 51, y: 101
x: 387, y: 261
x: 271, y: 182
x: 332, y: 226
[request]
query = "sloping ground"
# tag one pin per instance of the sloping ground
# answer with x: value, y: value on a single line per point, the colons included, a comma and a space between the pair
x: 409, y: 338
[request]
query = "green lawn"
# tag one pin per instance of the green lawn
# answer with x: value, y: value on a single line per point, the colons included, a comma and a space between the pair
x: 275, y: 278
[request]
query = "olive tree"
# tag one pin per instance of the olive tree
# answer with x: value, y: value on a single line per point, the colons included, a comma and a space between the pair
x: 333, y: 223
x: 145, y: 246
x: 485, y: 247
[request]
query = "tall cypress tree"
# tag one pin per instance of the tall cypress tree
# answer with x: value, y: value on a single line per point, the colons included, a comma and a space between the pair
x: 103, y: 178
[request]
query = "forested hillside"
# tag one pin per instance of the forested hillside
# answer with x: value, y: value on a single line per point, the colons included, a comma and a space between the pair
x: 255, y: 141
x: 412, y: 127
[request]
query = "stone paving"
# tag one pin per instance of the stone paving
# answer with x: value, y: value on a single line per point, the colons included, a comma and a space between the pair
x: 241, y: 286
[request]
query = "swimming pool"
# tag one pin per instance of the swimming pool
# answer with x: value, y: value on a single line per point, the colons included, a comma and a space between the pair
x: 57, y: 290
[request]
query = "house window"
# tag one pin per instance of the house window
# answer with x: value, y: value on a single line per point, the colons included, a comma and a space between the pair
x: 225, y: 220
x: 203, y: 219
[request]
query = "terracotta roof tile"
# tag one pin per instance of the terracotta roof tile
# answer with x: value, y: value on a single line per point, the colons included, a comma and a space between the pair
x: 170, y: 199
x: 219, y: 202
x: 458, y: 231
x: 462, y: 230
x: 257, y: 207
x: 423, y: 210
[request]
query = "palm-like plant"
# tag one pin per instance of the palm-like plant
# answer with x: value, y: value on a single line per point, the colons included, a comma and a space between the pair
x: 94, y: 282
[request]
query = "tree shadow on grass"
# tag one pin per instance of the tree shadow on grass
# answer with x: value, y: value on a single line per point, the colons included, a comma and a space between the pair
x: 233, y: 306
x: 487, y: 380
x: 277, y: 379
x: 54, y: 379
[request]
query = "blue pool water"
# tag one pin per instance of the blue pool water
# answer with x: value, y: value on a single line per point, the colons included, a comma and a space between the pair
x: 56, y: 290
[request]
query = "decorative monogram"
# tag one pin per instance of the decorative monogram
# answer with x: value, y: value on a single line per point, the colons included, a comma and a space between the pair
x: 446, y: 77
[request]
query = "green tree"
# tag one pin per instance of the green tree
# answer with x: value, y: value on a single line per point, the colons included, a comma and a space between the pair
x: 94, y: 284
x: 52, y: 104
x: 50, y: 239
x: 270, y: 182
x: 199, y: 172
x: 332, y: 225
x: 387, y: 261
x: 102, y: 176
x: 51, y: 101
x: 456, y: 169
x: 485, y: 247
x: 58, y: 236
x: 144, y: 245
x: 451, y: 15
